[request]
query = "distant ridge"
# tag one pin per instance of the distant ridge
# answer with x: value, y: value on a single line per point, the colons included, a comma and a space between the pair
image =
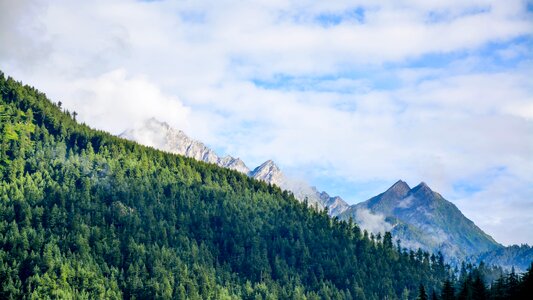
x: 162, y: 136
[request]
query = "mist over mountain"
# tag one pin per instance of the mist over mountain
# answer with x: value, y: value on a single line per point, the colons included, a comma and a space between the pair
x: 518, y: 257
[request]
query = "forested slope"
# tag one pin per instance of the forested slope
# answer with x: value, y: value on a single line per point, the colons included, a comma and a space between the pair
x: 84, y: 214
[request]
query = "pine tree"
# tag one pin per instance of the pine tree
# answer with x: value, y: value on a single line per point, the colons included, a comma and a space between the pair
x: 479, y: 291
x: 498, y: 289
x: 434, y: 295
x: 526, y: 286
x: 422, y: 293
x: 448, y: 292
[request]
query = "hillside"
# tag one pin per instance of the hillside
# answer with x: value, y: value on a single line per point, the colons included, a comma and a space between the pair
x: 518, y: 257
x: 88, y: 215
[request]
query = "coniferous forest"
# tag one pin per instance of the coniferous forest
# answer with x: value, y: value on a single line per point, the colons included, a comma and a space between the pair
x: 86, y: 215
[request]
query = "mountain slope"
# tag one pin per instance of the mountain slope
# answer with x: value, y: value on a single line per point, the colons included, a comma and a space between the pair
x: 420, y: 217
x: 88, y: 215
x: 517, y: 257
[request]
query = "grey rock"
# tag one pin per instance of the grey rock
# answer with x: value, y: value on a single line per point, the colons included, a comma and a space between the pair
x: 335, y: 205
x: 162, y: 136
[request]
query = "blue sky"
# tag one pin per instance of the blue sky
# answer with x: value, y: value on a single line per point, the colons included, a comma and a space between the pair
x: 347, y: 95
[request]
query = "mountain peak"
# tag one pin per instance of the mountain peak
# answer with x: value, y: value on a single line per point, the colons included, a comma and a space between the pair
x: 400, y: 188
x: 422, y: 218
x: 422, y: 188
x: 233, y: 163
x: 269, y: 172
x: 269, y: 163
x: 423, y: 184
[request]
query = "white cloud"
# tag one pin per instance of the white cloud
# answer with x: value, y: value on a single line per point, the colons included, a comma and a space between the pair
x: 374, y: 223
x: 502, y: 208
x: 364, y: 113
x: 21, y: 33
x: 115, y: 102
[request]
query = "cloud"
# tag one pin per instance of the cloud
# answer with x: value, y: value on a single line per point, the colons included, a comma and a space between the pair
x: 357, y: 92
x: 21, y: 33
x: 503, y: 208
x: 115, y: 102
x: 374, y: 223
x: 406, y: 202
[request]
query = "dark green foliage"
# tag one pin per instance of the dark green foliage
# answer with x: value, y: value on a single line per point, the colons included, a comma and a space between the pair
x: 448, y: 292
x: 513, y: 286
x: 422, y: 293
x: 434, y: 295
x: 84, y: 214
x: 527, y: 283
x: 479, y: 291
x: 471, y: 286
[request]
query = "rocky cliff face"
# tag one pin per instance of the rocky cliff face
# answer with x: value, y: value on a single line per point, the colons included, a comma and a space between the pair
x: 233, y: 163
x: 268, y: 172
x: 161, y: 136
x: 518, y: 257
x: 271, y: 173
x: 335, y: 205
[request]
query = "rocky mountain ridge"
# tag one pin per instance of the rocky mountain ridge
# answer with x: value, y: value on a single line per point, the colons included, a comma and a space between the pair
x: 162, y: 136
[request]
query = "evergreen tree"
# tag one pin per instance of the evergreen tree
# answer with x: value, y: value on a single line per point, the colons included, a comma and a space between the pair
x: 422, y: 293
x: 526, y: 287
x: 479, y: 291
x: 448, y: 292
x: 434, y: 295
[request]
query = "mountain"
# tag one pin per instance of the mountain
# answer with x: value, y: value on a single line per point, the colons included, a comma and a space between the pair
x: 518, y: 257
x: 88, y: 215
x: 420, y: 217
x: 335, y: 205
x: 268, y: 172
x: 162, y: 136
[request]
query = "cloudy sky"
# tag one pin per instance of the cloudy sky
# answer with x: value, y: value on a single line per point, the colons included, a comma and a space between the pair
x: 348, y: 95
